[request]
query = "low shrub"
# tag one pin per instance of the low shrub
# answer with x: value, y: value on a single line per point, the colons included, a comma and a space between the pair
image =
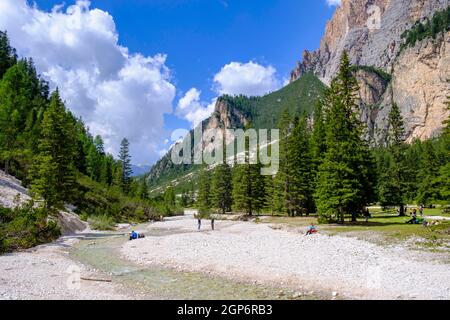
x: 96, y: 201
x: 26, y: 226
x: 102, y: 222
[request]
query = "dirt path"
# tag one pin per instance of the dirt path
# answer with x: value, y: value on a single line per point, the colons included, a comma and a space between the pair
x: 341, y: 266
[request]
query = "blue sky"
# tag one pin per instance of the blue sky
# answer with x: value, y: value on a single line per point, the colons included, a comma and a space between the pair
x: 200, y: 37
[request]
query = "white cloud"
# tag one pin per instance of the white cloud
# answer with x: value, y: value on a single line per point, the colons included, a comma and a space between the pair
x: 250, y: 79
x: 191, y: 108
x: 118, y: 94
x: 333, y: 2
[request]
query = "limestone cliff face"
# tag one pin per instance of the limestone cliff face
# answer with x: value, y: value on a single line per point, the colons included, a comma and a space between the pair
x: 355, y: 27
x: 419, y: 86
x: 225, y: 117
x: 419, y: 74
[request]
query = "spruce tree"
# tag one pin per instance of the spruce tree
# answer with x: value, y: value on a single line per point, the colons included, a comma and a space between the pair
x: 343, y: 179
x: 94, y: 163
x: 318, y: 143
x: 99, y: 145
x: 125, y: 161
x: 281, y: 185
x: 15, y: 103
x: 269, y: 193
x: 428, y: 190
x: 117, y: 175
x: 392, y: 186
x: 53, y: 173
x: 204, y: 192
x: 249, y: 192
x: 258, y: 188
x: 221, y: 188
x: 242, y: 189
x: 300, y: 168
x: 106, y: 175
x: 443, y: 180
x: 8, y: 56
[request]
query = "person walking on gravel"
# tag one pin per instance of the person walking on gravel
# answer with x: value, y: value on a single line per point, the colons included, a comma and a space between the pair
x: 199, y: 224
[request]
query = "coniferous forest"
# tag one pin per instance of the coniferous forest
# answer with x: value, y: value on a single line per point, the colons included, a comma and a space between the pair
x: 52, y: 152
x: 328, y: 168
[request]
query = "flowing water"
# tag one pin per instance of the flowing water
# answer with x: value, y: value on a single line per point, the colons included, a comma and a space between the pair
x: 102, y: 252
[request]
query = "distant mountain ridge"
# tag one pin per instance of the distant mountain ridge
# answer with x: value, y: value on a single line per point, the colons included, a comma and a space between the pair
x: 388, y: 69
x: 138, y: 170
x: 237, y: 112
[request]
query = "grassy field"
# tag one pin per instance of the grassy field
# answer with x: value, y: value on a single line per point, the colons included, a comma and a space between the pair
x: 384, y: 228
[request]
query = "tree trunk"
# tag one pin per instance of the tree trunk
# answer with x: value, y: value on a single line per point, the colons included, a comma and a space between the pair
x: 402, y: 210
x: 341, y: 216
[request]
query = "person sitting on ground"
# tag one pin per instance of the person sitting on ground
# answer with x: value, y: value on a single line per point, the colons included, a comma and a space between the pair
x: 311, y: 229
x: 136, y: 235
x: 413, y: 217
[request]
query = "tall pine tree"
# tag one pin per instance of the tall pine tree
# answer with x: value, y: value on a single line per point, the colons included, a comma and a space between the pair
x: 392, y: 186
x: 8, y: 56
x: 281, y: 183
x: 125, y: 161
x: 204, y: 192
x: 343, y: 179
x: 221, y: 188
x: 300, y: 169
x: 428, y: 191
x: 53, y: 173
x: 249, y: 192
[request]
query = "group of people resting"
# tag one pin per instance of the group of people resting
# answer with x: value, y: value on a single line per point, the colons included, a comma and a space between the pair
x: 416, y: 220
x: 312, y: 228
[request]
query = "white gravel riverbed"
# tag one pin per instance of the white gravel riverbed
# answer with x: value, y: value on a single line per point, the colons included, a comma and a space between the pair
x: 336, y: 265
x: 47, y: 273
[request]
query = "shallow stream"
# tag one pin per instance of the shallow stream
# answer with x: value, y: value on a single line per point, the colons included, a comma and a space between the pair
x: 102, y: 252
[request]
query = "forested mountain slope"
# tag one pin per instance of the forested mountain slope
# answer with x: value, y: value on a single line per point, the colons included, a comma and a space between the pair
x: 237, y: 112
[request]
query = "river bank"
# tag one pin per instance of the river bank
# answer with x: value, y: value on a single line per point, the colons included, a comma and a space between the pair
x: 239, y: 260
x: 47, y: 272
x: 259, y: 253
x: 89, y: 266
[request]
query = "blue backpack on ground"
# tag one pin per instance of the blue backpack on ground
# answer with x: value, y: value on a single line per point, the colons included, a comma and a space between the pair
x: 134, y: 235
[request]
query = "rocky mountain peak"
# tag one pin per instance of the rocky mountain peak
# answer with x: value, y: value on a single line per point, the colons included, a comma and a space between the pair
x: 370, y: 30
